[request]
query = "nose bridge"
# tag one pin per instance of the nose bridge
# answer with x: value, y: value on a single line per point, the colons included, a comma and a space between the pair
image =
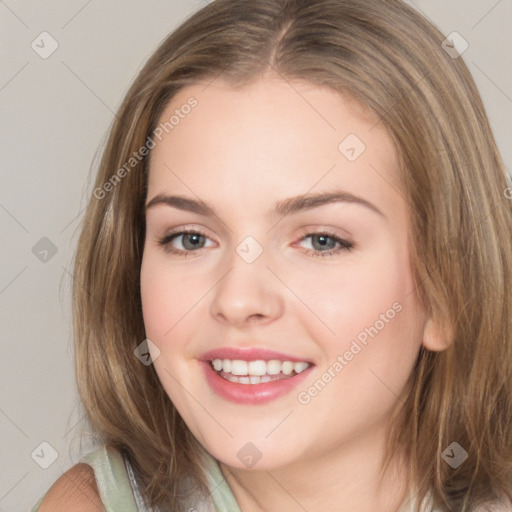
x: 249, y: 289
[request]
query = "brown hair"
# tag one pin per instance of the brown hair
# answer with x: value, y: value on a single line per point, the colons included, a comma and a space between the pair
x: 391, y: 59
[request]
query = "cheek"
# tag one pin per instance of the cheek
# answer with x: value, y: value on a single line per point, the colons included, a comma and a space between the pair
x: 154, y: 298
x: 351, y: 296
x: 377, y: 324
x: 166, y: 295
x: 161, y: 304
x: 173, y: 305
x: 367, y: 312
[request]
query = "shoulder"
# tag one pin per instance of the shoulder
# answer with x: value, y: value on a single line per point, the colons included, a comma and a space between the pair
x: 75, y: 490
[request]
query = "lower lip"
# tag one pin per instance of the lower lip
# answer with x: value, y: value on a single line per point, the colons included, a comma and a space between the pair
x: 251, y: 393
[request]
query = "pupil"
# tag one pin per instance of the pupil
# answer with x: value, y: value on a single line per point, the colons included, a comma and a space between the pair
x: 193, y: 240
x: 322, y: 241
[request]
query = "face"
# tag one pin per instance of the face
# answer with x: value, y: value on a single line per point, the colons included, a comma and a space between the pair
x: 325, y: 281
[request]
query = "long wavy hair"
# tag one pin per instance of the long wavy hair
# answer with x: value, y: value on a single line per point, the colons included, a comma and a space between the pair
x: 388, y: 57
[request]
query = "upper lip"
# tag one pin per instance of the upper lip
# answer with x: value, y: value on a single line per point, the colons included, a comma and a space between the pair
x: 248, y: 354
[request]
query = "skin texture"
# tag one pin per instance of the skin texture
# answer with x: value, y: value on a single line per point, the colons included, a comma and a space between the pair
x: 75, y: 490
x: 240, y: 151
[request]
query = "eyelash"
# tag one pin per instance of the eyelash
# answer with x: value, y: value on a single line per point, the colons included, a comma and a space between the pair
x: 345, y: 245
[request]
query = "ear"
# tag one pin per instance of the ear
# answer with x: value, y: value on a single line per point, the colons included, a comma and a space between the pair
x: 435, y: 337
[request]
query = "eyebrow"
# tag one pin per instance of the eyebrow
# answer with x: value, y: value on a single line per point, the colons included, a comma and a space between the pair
x: 285, y: 207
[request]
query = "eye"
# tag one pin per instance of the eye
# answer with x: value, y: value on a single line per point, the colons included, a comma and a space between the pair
x: 190, y: 240
x: 325, y: 243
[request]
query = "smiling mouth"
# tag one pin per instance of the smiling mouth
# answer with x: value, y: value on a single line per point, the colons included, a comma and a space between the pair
x: 257, y: 372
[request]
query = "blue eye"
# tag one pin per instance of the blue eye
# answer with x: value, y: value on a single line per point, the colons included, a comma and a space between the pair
x: 333, y: 244
x: 193, y: 239
x: 324, y: 243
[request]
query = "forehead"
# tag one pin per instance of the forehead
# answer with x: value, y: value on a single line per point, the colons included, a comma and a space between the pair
x: 271, y: 137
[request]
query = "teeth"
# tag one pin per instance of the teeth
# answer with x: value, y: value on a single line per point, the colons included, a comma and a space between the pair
x: 300, y: 367
x: 257, y: 368
x: 258, y: 371
x: 239, y: 367
x: 287, y: 367
x: 274, y: 367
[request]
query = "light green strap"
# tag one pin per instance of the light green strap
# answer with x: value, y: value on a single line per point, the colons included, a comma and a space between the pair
x: 112, y: 479
x: 116, y: 492
x: 221, y: 494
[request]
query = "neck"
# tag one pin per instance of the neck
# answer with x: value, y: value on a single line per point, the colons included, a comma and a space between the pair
x: 346, y: 479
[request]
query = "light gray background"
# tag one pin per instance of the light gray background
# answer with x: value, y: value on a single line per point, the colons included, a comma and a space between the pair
x: 55, y: 114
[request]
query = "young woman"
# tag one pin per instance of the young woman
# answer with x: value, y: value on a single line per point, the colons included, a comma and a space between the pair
x: 292, y: 289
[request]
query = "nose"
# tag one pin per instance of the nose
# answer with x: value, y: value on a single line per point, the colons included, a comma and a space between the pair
x: 248, y: 294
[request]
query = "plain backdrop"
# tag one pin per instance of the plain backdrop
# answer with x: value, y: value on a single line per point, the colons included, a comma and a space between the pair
x: 55, y: 114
